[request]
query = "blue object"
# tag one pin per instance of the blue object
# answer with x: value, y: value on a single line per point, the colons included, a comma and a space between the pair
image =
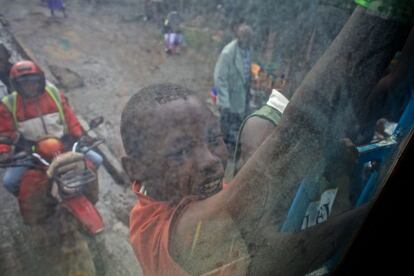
x: 381, y: 151
x: 375, y: 151
x: 297, y: 211
x: 308, y: 190
x: 13, y: 176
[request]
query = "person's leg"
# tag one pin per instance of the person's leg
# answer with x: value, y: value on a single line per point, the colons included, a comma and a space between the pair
x: 50, y: 5
x: 224, y: 125
x: 61, y: 5
x: 147, y: 10
x: 235, y: 122
x: 230, y: 124
x: 180, y: 39
x: 166, y: 39
x: 169, y: 42
x: 12, y: 178
x: 64, y: 12
x: 177, y: 43
x: 173, y: 39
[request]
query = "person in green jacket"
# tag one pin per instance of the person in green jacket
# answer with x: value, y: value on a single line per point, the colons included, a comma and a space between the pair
x: 232, y: 80
x: 257, y: 127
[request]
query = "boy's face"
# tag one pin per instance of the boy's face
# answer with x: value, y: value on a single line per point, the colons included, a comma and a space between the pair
x: 183, y: 151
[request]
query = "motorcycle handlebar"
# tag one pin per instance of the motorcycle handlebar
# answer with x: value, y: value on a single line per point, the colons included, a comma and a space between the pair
x: 82, y: 146
x: 18, y: 159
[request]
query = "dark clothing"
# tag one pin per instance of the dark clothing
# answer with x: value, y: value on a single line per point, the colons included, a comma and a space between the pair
x: 232, y: 80
x: 55, y: 4
x: 4, y: 78
x: 230, y: 124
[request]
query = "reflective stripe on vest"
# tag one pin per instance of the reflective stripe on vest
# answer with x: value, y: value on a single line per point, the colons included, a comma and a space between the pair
x: 55, y: 95
x: 10, y: 102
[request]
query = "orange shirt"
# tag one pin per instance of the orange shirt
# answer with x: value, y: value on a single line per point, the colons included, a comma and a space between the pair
x: 150, y: 228
x: 150, y: 222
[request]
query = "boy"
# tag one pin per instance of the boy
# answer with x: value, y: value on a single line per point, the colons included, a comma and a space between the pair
x: 184, y: 222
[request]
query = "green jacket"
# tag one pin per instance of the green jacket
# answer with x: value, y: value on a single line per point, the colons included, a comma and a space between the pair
x: 267, y: 113
x: 230, y: 81
x: 400, y: 10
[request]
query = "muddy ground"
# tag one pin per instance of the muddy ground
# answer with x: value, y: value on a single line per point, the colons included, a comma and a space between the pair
x: 111, y: 48
x: 100, y: 55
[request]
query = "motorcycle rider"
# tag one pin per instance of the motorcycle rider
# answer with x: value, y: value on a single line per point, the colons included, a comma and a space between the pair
x: 35, y: 109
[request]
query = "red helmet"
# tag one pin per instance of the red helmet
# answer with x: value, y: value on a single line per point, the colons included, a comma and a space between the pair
x: 24, y: 71
x: 24, y: 67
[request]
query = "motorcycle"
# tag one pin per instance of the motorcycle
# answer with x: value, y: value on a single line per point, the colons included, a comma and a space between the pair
x: 57, y: 179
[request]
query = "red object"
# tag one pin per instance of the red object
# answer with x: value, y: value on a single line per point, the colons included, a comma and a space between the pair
x: 35, y: 203
x: 150, y: 227
x: 49, y: 147
x: 213, y: 99
x: 213, y: 95
x: 91, y: 165
x: 45, y: 105
x: 24, y: 67
x: 85, y: 212
x: 150, y: 223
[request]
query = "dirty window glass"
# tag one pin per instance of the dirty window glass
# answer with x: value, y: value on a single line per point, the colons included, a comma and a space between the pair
x: 182, y: 137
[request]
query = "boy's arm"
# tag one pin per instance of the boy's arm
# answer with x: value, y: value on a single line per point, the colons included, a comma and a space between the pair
x: 307, y: 250
x: 329, y: 102
x: 215, y: 242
